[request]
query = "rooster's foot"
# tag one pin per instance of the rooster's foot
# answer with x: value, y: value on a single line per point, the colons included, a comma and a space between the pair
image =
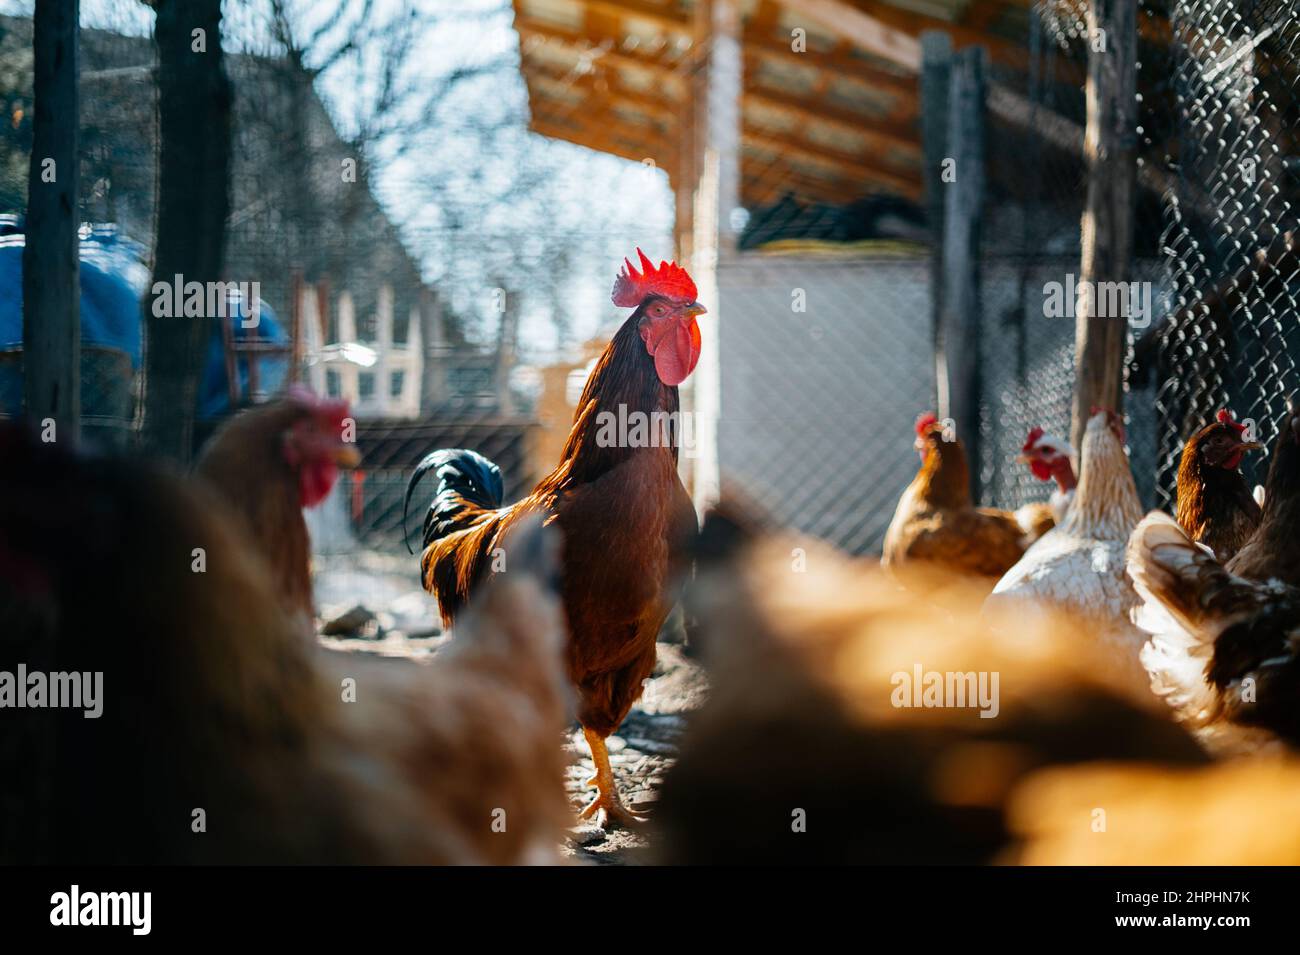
x: 608, y: 809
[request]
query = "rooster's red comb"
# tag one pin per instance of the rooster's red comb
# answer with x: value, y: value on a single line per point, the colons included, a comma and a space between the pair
x: 1034, y: 434
x: 1225, y: 417
x: 925, y: 423
x: 669, y: 280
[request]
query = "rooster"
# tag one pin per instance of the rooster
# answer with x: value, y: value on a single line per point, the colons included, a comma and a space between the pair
x: 625, y: 515
x: 819, y: 740
x: 271, y: 461
x: 243, y: 745
x: 1223, y: 649
x: 1049, y: 459
x: 936, y: 526
x: 1215, y: 506
x: 1077, y: 569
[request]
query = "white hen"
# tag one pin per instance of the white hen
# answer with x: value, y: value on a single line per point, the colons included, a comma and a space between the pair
x: 1078, y: 567
x: 1052, y: 459
x: 1189, y: 602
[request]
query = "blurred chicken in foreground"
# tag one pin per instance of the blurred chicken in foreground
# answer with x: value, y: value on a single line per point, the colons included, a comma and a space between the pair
x: 1239, y: 812
x: 224, y: 736
x: 822, y: 736
x: 270, y: 462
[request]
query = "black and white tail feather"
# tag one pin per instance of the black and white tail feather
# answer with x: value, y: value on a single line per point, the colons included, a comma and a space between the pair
x: 468, y: 483
x: 1178, y: 652
x: 1208, y: 655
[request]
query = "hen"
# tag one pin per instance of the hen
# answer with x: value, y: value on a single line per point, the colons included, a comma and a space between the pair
x: 936, y: 526
x: 1215, y: 506
x: 271, y: 461
x: 1223, y: 649
x: 1077, y: 569
x: 222, y: 737
x: 825, y: 745
x: 1226, y: 638
x: 1049, y: 459
x: 624, y: 514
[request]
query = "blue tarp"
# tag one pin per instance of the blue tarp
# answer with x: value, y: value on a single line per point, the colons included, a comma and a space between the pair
x: 214, y: 396
x: 113, y: 279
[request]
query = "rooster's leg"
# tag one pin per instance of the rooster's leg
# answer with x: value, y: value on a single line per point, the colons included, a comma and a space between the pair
x: 606, y: 807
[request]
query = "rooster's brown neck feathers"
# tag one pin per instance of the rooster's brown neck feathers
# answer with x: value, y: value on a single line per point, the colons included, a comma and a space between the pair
x: 624, y: 378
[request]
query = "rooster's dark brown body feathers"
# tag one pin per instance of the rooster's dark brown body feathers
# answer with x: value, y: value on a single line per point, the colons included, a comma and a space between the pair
x: 625, y: 519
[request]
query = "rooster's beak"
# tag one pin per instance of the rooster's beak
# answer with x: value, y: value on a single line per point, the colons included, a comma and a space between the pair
x: 1251, y: 446
x: 695, y: 308
x: 347, y: 456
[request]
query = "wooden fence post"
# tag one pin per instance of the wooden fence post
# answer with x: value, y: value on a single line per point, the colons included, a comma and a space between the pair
x: 936, y: 70
x: 717, y: 196
x: 962, y: 175
x: 1110, y: 148
x: 51, y: 257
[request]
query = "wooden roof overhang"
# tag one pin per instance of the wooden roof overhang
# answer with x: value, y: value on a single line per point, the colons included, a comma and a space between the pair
x: 829, y: 124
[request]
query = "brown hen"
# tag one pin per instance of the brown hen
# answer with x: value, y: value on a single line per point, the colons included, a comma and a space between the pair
x: 1215, y: 505
x: 937, y: 527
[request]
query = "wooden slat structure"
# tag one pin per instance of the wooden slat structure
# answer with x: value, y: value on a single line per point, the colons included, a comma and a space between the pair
x: 829, y: 101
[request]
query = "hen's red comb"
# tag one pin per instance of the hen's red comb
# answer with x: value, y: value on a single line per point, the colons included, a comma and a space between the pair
x: 1034, y: 434
x: 333, y: 410
x: 925, y: 423
x: 1225, y: 417
x: 669, y: 280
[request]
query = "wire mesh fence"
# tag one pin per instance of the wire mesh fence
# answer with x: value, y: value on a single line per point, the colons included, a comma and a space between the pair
x: 1036, y: 196
x: 1230, y: 337
x: 1214, y: 219
x: 825, y: 365
x: 1030, y: 261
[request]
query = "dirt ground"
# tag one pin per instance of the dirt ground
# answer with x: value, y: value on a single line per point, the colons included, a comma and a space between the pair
x: 379, y: 600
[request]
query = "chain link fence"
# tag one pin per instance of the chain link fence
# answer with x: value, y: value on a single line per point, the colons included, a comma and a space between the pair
x: 1031, y: 258
x: 825, y: 338
x: 825, y: 365
x: 1230, y: 337
x: 1214, y: 230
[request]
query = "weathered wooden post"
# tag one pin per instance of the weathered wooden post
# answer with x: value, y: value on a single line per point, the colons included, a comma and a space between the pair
x: 936, y: 71
x: 194, y: 108
x: 717, y: 198
x: 1110, y: 149
x: 962, y: 176
x: 51, y: 259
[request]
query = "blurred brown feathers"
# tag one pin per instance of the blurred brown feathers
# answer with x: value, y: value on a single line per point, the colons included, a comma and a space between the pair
x: 809, y: 653
x: 213, y: 702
